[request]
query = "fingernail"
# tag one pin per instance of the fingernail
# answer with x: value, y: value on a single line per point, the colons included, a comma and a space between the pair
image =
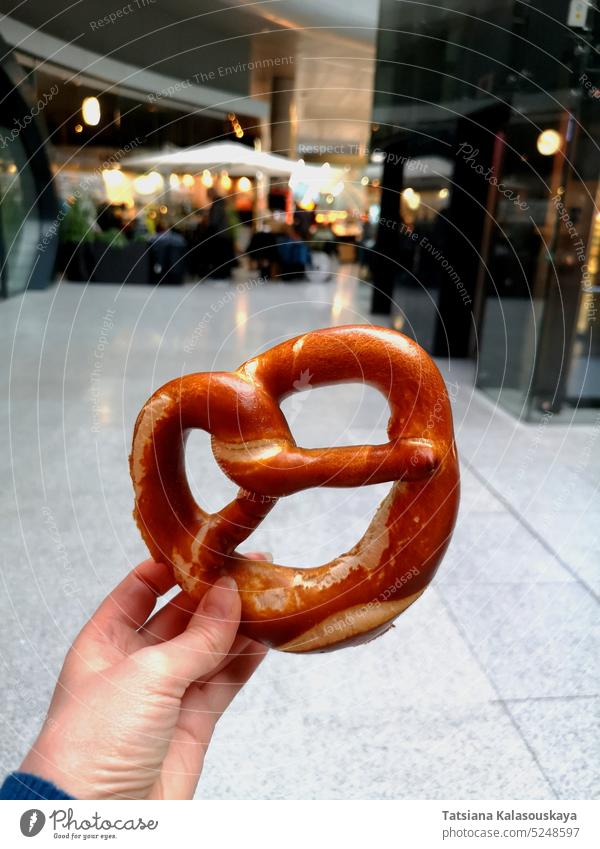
x: 268, y: 556
x: 220, y: 599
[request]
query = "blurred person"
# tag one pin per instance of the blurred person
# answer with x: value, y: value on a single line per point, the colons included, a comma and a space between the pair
x: 168, y: 250
x: 220, y: 249
x: 110, y: 216
x: 294, y: 255
x: 262, y: 249
x: 303, y: 220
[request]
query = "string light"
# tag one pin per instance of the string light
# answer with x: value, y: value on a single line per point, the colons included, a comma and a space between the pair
x: 113, y: 177
x: 235, y: 125
x: 148, y: 184
x: 412, y: 198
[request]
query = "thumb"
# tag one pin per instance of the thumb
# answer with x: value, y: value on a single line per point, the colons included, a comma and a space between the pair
x: 207, y: 639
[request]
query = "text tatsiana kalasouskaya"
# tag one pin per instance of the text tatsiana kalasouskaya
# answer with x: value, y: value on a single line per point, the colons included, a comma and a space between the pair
x: 554, y: 816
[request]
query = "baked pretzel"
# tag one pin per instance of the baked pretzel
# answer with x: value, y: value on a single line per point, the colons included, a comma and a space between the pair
x: 356, y: 596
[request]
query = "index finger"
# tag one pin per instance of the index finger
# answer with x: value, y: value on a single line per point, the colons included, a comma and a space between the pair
x: 133, y: 600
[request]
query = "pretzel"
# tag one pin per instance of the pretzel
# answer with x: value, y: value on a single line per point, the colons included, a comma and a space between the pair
x: 358, y: 595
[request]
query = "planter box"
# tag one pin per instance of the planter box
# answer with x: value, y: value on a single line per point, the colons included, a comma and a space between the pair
x: 127, y: 264
x: 72, y: 261
x: 95, y: 262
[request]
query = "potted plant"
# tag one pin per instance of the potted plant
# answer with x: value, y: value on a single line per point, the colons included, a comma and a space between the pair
x: 75, y: 233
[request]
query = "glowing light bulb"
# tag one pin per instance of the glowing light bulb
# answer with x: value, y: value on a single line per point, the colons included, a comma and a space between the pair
x: 412, y: 198
x: 90, y: 110
x: 113, y: 178
x: 148, y: 184
x: 548, y: 142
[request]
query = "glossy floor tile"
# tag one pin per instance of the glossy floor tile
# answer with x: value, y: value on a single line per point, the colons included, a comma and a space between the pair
x: 485, y: 688
x: 562, y: 732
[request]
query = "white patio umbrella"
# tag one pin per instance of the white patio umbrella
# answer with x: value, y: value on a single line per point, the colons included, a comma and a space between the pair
x: 225, y: 154
x: 238, y: 159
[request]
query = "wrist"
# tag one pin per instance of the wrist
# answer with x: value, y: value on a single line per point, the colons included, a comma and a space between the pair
x: 51, y: 763
x: 38, y: 761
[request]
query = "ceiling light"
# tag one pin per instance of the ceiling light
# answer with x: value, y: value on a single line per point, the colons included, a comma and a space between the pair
x: 90, y: 110
x: 548, y: 142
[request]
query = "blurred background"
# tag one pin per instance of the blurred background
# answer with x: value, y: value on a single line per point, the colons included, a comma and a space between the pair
x: 183, y: 185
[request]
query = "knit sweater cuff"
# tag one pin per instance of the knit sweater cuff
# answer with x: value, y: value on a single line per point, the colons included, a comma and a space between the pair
x: 24, y: 785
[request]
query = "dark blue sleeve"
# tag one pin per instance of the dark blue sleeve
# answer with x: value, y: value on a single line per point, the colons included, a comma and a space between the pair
x: 24, y: 785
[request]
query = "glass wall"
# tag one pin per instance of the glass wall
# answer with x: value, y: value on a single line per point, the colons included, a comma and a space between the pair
x: 487, y: 117
x: 28, y: 203
x: 19, y: 218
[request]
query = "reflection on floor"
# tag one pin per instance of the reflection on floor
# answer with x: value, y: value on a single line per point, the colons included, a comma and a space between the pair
x: 487, y: 687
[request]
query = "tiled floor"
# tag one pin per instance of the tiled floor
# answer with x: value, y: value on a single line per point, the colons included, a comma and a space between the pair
x: 486, y: 688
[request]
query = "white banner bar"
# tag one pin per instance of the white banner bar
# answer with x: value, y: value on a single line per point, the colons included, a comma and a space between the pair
x: 296, y: 825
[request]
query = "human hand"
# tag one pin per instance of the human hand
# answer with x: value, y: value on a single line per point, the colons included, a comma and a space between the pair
x: 138, y: 698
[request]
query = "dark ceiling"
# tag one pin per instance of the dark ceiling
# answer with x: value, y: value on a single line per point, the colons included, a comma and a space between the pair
x: 173, y: 37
